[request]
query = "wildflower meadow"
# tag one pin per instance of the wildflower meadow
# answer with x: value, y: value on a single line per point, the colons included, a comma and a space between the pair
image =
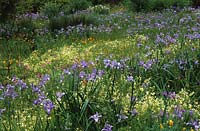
x: 100, y: 65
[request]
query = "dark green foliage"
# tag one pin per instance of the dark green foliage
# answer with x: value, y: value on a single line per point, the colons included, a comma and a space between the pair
x: 96, y: 2
x: 149, y: 5
x: 181, y: 3
x: 51, y: 9
x: 71, y: 20
x: 140, y: 5
x: 196, y: 3
x: 76, y: 5
x: 25, y: 26
x: 30, y: 5
x: 7, y: 7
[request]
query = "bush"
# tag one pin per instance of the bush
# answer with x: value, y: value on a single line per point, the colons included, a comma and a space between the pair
x: 181, y: 3
x: 195, y: 3
x: 25, y: 26
x: 96, y: 2
x: 149, y: 5
x: 71, y: 20
x: 36, y: 5
x: 99, y: 9
x: 140, y: 5
x: 7, y: 7
x: 77, y: 5
x: 51, y: 9
x: 30, y: 5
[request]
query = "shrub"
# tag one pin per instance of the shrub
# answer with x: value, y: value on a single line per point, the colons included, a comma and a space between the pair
x: 51, y: 9
x: 71, y: 20
x: 77, y: 5
x: 149, y: 5
x: 181, y: 3
x: 196, y: 3
x: 30, y: 5
x: 96, y: 2
x: 7, y: 7
x: 99, y: 9
x: 36, y: 5
x: 25, y: 25
x: 140, y: 5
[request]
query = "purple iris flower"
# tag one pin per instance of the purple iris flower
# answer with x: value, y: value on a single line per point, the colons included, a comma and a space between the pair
x: 35, y: 88
x: 107, y: 127
x: 1, y: 87
x: 130, y: 78
x: 84, y: 64
x: 10, y: 92
x: 44, y: 80
x: 171, y: 95
x: 134, y: 112
x: 59, y: 95
x: 195, y: 124
x: 95, y: 117
x: 67, y: 72
x: 82, y: 74
x: 48, y: 106
x: 121, y: 117
x: 101, y: 73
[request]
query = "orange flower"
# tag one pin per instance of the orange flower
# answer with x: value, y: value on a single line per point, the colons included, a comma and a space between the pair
x: 90, y: 39
x: 171, y: 122
x: 84, y: 41
x: 84, y: 82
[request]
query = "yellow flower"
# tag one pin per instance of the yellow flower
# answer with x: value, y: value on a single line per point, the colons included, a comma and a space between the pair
x: 161, y: 126
x: 184, y: 129
x: 171, y: 122
x: 17, y: 61
x: 10, y: 61
x: 191, y: 129
x: 4, y: 62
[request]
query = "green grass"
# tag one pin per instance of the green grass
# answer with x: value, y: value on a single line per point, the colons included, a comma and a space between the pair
x: 142, y: 58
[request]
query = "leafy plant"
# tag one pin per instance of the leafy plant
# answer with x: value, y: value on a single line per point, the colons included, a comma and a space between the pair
x: 71, y: 20
x: 7, y: 8
x: 51, y: 9
x: 99, y: 9
x: 149, y: 5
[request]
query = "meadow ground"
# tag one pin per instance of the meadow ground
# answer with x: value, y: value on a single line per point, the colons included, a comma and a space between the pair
x: 118, y: 71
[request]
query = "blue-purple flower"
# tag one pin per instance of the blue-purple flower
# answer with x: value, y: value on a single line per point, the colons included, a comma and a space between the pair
x: 44, y: 80
x: 1, y: 87
x: 48, y: 106
x: 121, y: 117
x: 10, y: 92
x: 107, y: 127
x: 95, y: 117
x: 66, y: 71
x: 59, y: 95
x: 130, y: 78
x: 171, y: 95
x: 179, y: 112
x: 82, y: 74
x: 195, y: 124
x: 134, y: 112
x: 84, y: 64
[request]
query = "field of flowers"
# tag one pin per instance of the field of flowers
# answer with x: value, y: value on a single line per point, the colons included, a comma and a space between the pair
x: 114, y: 71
